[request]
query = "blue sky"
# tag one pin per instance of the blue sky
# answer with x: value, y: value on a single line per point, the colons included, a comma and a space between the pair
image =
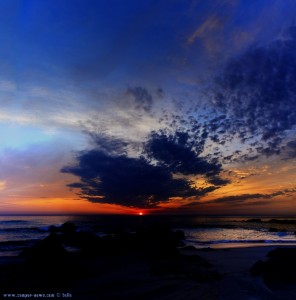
x: 83, y: 75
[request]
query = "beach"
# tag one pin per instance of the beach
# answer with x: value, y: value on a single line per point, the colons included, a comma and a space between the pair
x: 135, y: 282
x: 130, y: 278
x: 152, y: 263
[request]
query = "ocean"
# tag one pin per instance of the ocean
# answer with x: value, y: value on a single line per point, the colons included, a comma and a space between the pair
x: 20, y: 232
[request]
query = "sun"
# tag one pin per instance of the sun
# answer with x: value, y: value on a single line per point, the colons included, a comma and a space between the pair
x: 140, y: 214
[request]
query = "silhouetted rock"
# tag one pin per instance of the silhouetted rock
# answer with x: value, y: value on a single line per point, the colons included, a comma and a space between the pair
x: 46, y: 251
x: 258, y: 268
x: 68, y: 228
x: 53, y: 228
x: 254, y: 221
x: 159, y: 240
x: 279, y: 268
x: 188, y: 248
x: 272, y: 229
x: 84, y: 240
x: 179, y: 235
x: 276, y: 221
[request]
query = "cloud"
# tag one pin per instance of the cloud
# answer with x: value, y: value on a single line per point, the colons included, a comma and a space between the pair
x: 108, y: 175
x: 179, y: 152
x: 107, y: 144
x: 126, y: 181
x: 217, y: 181
x: 141, y: 97
x: 257, y: 93
x: 291, y: 149
x: 212, y: 23
x: 247, y: 198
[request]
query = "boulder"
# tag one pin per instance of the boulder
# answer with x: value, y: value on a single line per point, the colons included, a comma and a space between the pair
x: 46, y: 251
x: 254, y: 221
x: 159, y: 240
x: 258, y: 268
x: 68, y: 228
x: 280, y: 268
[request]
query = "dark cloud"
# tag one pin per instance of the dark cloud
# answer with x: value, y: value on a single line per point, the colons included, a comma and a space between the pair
x: 110, y: 145
x: 233, y: 200
x: 126, y: 181
x: 247, y: 198
x: 179, y: 153
x: 142, y: 98
x: 108, y: 175
x: 257, y: 94
x: 217, y: 181
x: 291, y: 149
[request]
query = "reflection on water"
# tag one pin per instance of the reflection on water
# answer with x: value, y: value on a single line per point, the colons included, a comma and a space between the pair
x: 235, y: 236
x: 17, y: 232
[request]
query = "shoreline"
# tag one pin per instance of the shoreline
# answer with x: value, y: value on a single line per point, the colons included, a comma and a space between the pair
x: 150, y: 263
x: 129, y: 276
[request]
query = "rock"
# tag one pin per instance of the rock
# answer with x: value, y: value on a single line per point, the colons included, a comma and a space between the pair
x: 179, y: 235
x: 53, y: 228
x: 272, y: 229
x: 188, y: 248
x: 46, y: 251
x: 68, y: 228
x: 84, y: 240
x: 158, y: 240
x: 280, y: 268
x: 254, y: 221
x: 258, y: 268
x: 276, y: 221
x: 283, y: 254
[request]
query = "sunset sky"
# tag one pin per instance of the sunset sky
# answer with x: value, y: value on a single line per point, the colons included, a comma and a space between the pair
x: 167, y: 106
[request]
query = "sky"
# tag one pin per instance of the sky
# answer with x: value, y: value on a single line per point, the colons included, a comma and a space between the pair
x: 182, y: 107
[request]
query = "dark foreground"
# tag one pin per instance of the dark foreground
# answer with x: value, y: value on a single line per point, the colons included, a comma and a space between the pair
x: 149, y: 264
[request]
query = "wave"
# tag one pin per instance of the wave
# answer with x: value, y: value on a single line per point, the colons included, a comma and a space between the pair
x: 13, y: 221
x: 16, y: 245
x: 243, y: 241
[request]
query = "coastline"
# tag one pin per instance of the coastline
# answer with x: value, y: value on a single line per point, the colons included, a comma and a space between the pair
x: 133, y: 273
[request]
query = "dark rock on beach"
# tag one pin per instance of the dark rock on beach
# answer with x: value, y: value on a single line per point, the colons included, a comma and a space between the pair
x: 159, y: 240
x: 46, y: 251
x: 280, y: 268
x: 258, y: 268
x: 254, y: 221
x: 188, y: 248
x: 66, y: 228
x: 129, y: 261
x: 285, y: 222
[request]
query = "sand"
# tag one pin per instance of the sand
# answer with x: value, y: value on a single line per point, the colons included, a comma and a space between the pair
x: 130, y: 277
x: 134, y: 280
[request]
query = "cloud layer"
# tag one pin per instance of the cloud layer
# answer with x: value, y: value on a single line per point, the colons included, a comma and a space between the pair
x: 256, y: 94
x: 110, y: 176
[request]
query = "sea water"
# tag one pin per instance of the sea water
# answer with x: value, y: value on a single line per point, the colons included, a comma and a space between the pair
x: 20, y: 232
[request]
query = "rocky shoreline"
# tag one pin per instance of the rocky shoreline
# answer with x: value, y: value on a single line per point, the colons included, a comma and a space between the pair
x: 151, y: 263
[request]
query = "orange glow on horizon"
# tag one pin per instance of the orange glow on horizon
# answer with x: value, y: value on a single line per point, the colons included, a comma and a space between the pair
x: 63, y: 206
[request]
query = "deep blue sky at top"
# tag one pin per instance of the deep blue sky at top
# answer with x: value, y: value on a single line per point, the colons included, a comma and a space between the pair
x: 82, y: 41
